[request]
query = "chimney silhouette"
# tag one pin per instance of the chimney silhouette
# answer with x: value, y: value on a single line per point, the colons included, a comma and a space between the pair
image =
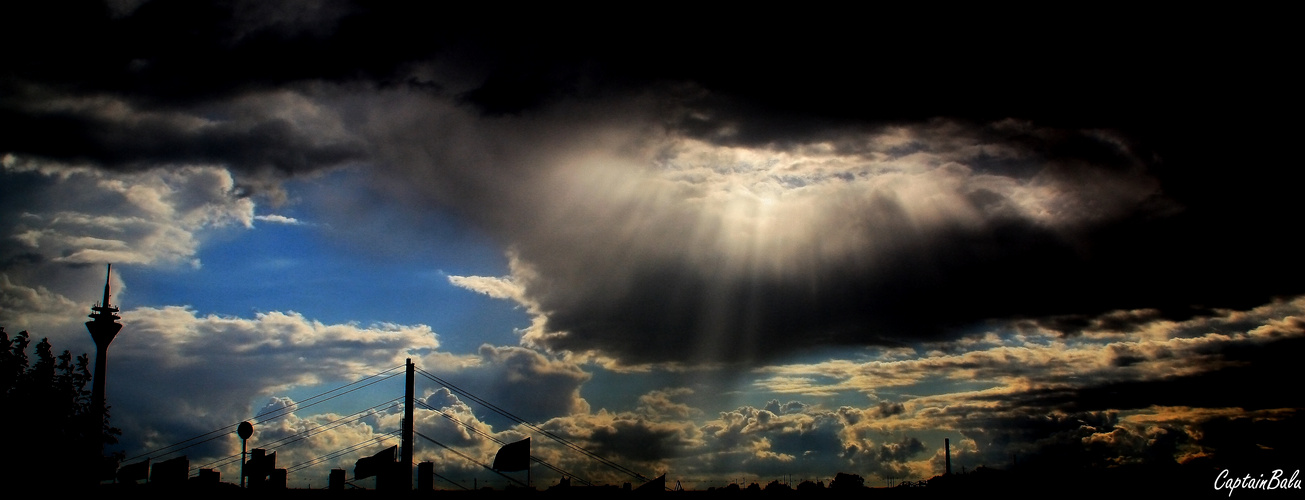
x: 103, y: 327
x: 947, y: 445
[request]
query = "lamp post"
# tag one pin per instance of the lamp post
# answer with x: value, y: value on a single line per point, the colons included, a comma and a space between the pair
x: 245, y: 430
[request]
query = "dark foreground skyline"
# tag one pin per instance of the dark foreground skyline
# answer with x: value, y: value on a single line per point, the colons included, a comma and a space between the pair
x: 987, y: 482
x: 727, y: 248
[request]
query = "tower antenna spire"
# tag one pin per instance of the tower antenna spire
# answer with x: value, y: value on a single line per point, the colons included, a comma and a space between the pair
x: 103, y: 326
x: 107, y: 274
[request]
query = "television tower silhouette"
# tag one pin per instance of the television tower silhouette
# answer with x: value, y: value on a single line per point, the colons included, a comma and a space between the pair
x: 103, y: 327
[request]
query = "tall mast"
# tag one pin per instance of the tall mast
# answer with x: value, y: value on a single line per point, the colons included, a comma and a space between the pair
x: 405, y: 467
x: 103, y: 327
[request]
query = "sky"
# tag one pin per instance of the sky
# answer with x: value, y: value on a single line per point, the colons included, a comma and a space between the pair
x: 726, y: 248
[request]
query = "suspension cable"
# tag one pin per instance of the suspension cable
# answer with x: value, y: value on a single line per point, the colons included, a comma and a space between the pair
x: 353, y: 417
x: 519, y: 420
x: 472, y: 460
x: 297, y: 405
x: 176, y: 447
x: 341, y: 452
x: 381, y: 376
x: 491, y: 437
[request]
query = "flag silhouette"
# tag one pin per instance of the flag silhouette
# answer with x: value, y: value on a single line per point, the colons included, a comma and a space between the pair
x: 513, y: 456
x: 370, y: 466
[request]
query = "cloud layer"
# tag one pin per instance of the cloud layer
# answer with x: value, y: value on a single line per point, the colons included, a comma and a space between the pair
x: 665, y: 205
x: 830, y: 252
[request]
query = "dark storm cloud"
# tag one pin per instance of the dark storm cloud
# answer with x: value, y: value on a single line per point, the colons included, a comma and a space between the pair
x: 165, y: 65
x: 1159, y: 253
x: 637, y: 440
x: 1175, y: 253
x: 1011, y: 274
x: 479, y: 115
x: 644, y: 441
x: 782, y: 82
x: 1230, y: 414
x: 1098, y: 439
x: 167, y: 84
x: 1033, y: 437
x: 900, y: 451
x: 888, y: 409
x: 267, y: 144
x: 1239, y: 376
x: 929, y: 284
x: 185, y: 52
x: 1156, y: 252
x: 539, y: 387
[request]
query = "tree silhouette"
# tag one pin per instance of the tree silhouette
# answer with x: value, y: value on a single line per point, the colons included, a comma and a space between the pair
x: 50, y: 424
x: 847, y: 482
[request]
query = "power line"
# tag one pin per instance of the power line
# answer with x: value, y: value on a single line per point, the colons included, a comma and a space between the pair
x: 491, y: 437
x: 472, y: 460
x: 176, y: 447
x: 359, y: 415
x: 519, y: 420
x: 353, y: 417
x: 380, y: 377
x: 341, y: 452
x: 455, y: 483
x: 285, y: 410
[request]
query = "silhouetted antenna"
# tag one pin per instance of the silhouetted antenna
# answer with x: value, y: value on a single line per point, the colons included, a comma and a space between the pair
x: 103, y: 327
